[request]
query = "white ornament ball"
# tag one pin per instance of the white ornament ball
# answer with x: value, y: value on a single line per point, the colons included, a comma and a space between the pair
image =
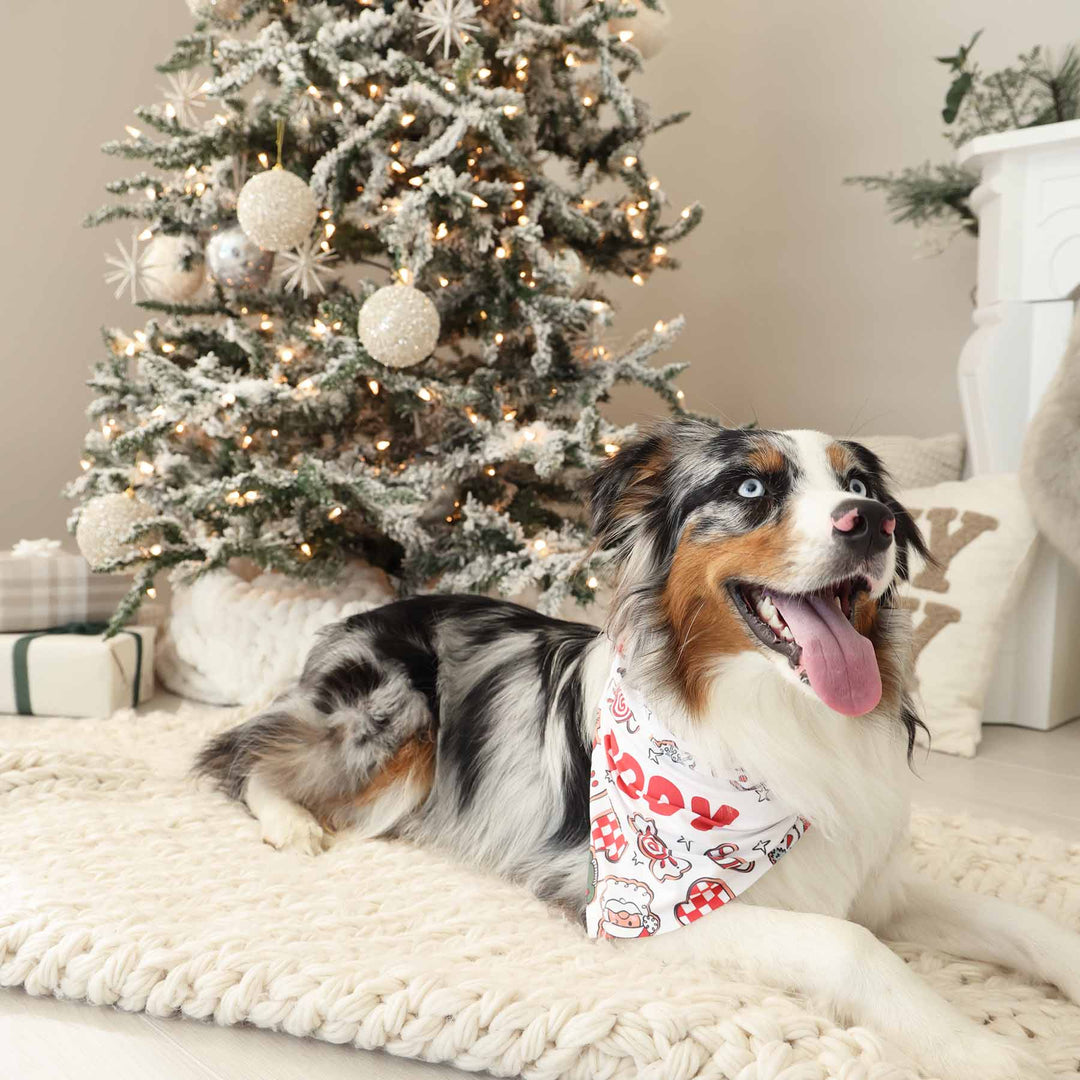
x: 564, y: 10
x: 568, y: 262
x: 650, y: 29
x: 222, y: 9
x: 399, y: 326
x: 277, y: 210
x: 235, y: 262
x: 104, y: 521
x: 166, y: 277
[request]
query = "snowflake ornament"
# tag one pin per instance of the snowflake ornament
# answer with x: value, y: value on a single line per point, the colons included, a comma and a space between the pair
x: 132, y: 271
x: 447, y: 21
x: 304, y: 267
x: 185, y: 92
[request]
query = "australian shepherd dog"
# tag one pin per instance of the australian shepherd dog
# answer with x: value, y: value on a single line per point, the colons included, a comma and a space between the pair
x: 466, y: 724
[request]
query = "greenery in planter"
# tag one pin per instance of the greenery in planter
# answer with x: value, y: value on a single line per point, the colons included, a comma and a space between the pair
x: 1035, y: 90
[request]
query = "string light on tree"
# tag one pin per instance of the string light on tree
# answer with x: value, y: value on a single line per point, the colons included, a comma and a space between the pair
x: 399, y: 326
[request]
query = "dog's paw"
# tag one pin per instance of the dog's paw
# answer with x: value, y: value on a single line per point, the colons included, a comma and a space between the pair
x: 987, y: 1057
x: 292, y: 827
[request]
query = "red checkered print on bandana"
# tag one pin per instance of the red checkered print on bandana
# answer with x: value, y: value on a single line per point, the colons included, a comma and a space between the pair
x: 658, y: 821
x: 703, y: 896
x: 607, y: 837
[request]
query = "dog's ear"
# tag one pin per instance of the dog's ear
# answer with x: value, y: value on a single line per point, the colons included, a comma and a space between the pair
x: 907, y: 536
x: 624, y: 486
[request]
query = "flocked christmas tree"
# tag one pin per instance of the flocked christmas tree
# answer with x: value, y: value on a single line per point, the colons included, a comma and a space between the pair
x: 370, y: 237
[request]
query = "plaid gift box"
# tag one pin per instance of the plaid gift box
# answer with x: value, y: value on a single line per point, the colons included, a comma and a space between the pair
x: 75, y: 670
x: 42, y: 586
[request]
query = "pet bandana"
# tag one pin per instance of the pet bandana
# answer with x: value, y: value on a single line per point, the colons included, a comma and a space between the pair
x: 669, y: 844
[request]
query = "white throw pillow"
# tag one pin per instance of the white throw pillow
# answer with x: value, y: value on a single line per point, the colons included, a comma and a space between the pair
x: 915, y: 463
x: 982, y: 536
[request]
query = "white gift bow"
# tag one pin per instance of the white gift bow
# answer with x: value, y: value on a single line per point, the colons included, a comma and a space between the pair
x: 42, y: 549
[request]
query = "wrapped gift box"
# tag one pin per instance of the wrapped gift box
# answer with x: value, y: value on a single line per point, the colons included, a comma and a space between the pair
x: 76, y: 671
x: 42, y: 586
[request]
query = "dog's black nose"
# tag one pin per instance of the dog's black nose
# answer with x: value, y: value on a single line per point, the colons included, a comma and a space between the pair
x: 863, y: 525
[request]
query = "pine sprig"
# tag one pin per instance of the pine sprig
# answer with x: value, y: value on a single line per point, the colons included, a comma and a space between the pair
x: 1036, y: 90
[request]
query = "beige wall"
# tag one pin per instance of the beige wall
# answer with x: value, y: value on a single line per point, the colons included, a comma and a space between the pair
x: 806, y: 307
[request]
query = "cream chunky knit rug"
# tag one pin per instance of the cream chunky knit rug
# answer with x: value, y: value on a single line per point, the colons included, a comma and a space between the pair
x: 124, y: 883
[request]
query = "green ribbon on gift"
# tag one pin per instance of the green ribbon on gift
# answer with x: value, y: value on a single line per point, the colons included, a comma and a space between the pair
x: 20, y: 656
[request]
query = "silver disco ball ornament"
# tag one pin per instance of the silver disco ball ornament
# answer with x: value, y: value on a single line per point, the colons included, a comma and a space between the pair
x: 235, y: 262
x: 277, y: 209
x: 399, y: 326
x: 104, y: 521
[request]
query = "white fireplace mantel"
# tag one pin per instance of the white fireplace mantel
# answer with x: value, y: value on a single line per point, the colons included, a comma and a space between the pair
x: 1028, y: 205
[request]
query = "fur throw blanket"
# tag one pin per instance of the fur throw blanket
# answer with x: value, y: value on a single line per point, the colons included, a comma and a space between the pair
x: 1050, y: 472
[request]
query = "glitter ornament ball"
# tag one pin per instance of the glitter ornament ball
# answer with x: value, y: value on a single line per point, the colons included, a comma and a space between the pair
x: 166, y: 278
x: 277, y: 209
x: 650, y: 29
x: 103, y: 523
x: 399, y: 326
x: 235, y: 262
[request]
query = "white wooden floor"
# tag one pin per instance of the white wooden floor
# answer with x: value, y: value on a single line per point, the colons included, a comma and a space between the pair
x: 1030, y: 778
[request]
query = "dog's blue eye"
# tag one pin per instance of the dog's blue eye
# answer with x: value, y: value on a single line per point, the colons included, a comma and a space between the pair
x: 752, y: 488
x: 857, y: 487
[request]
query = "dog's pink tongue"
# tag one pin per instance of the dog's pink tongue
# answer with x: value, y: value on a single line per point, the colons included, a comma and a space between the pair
x: 839, y: 662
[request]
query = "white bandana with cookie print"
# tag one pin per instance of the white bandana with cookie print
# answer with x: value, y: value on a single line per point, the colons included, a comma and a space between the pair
x: 669, y: 844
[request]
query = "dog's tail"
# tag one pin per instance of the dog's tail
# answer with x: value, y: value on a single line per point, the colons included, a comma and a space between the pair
x: 283, y: 740
x: 370, y: 741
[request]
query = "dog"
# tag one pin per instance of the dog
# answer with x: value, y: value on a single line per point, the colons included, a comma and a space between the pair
x: 755, y: 607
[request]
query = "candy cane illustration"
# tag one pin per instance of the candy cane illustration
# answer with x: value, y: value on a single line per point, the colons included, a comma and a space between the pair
x: 724, y: 855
